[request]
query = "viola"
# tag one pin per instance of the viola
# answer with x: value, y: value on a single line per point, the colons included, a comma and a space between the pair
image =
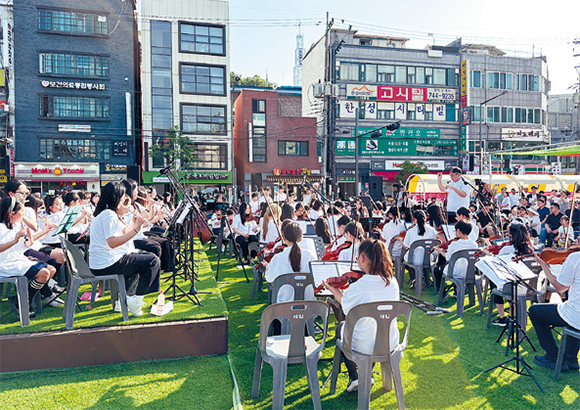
x: 341, y: 282
x: 269, y: 246
x: 552, y: 256
x: 333, y: 255
x: 493, y: 249
x: 201, y: 229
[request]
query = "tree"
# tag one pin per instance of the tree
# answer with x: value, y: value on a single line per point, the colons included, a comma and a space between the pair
x: 175, y: 148
x: 255, y: 81
x: 409, y: 168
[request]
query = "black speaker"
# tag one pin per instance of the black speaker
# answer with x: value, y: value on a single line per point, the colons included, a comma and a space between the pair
x: 134, y: 172
x: 471, y: 163
x: 507, y: 163
x: 376, y: 187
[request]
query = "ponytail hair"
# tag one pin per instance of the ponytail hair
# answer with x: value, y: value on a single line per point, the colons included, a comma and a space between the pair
x: 420, y: 217
x: 293, y: 233
x: 380, y: 262
x: 355, y: 229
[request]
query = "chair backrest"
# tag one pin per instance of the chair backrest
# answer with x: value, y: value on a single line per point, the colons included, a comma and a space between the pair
x: 77, y: 262
x: 426, y: 244
x: 383, y: 313
x: 298, y: 280
x: 470, y: 256
x: 298, y: 313
x: 255, y: 248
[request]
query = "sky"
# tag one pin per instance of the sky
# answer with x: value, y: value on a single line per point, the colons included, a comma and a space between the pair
x: 263, y: 32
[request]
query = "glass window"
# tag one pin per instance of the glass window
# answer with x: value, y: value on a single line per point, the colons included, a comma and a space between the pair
x: 537, y: 116
x: 161, y: 80
x: 400, y: 74
x: 77, y: 65
x: 385, y: 74
x: 428, y: 76
x: 411, y: 76
x: 518, y: 112
x: 371, y: 73
x: 523, y: 82
x: 72, y: 22
x: 534, y: 83
x: 349, y: 71
x: 210, y: 156
x: 530, y: 116
x: 508, y: 81
x: 476, y: 81
x: 386, y: 114
x: 59, y: 106
x: 450, y: 112
x: 502, y: 81
x: 75, y: 149
x: 439, y: 76
x: 198, y: 38
x: 451, y: 76
x: 200, y: 79
x: 420, y: 75
x: 510, y: 114
x: 203, y: 119
x: 293, y: 148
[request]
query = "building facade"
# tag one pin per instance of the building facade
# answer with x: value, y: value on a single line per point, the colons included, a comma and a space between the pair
x: 563, y: 126
x: 186, y: 86
x: 508, y: 100
x: 74, y: 93
x: 274, y: 145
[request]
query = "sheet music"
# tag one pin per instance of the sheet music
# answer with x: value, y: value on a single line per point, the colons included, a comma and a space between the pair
x: 322, y: 271
x: 449, y: 231
x: 501, y: 270
x: 518, y: 269
x: 303, y: 225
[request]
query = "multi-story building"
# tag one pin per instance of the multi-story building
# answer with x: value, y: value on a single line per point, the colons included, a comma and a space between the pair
x: 74, y: 92
x: 273, y: 144
x: 384, y: 82
x: 563, y: 125
x: 6, y: 85
x: 508, y: 99
x: 186, y: 85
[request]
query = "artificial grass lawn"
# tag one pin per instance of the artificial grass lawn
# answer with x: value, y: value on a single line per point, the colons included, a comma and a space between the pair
x: 101, y: 313
x: 189, y: 383
x: 442, y: 368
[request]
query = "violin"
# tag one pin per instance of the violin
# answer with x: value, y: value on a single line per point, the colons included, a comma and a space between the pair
x: 401, y: 235
x: 340, y: 282
x: 268, y: 258
x: 552, y: 256
x: 444, y: 245
x: 333, y: 255
x: 269, y: 246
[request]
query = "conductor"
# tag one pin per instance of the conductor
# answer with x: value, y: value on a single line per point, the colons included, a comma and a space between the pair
x: 457, y: 193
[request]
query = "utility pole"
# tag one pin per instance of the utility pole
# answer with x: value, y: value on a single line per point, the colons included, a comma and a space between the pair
x: 578, y: 118
x: 356, y: 185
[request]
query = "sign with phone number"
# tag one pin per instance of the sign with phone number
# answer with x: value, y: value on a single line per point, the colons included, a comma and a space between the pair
x: 394, y: 147
x: 441, y: 95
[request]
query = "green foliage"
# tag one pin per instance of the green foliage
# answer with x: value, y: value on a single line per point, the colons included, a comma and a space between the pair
x: 255, y: 81
x: 175, y: 148
x: 409, y: 168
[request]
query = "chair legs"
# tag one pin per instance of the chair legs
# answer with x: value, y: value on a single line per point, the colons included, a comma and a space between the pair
x: 386, y: 376
x: 122, y: 295
x: 560, y: 358
x: 71, y: 302
x: 257, y: 282
x: 418, y: 279
x: 460, y: 285
x: 257, y: 375
x: 365, y: 374
x: 279, y: 368
x: 335, y: 370
x: 22, y: 291
x: 479, y: 296
x: 398, y: 381
x: 312, y: 371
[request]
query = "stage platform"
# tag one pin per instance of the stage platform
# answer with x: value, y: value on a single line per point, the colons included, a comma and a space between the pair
x: 100, y: 336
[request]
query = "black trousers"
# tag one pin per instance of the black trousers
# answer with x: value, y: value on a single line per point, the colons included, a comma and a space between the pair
x: 141, y: 271
x: 451, y: 218
x: 350, y: 365
x: 243, y: 242
x: 543, y: 317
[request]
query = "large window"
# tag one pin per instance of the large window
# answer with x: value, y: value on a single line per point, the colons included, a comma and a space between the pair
x: 201, y: 38
x: 161, y: 84
x: 297, y: 148
x: 61, y: 106
x: 211, y: 156
x: 72, y: 22
x: 75, y: 149
x: 203, y: 119
x: 77, y: 65
x: 258, y: 151
x: 203, y: 79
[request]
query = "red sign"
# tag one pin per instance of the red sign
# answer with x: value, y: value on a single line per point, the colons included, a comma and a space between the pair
x: 290, y: 171
x: 395, y: 93
x: 57, y: 171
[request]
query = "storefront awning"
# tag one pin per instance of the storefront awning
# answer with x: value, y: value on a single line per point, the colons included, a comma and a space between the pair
x: 289, y: 179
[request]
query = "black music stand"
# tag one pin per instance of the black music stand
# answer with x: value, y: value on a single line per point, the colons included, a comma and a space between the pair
x: 219, y: 243
x: 514, y: 331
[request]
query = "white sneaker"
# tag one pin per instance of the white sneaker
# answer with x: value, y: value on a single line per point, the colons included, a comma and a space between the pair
x: 353, y: 385
x: 57, y: 302
x: 117, y: 307
x: 135, y: 305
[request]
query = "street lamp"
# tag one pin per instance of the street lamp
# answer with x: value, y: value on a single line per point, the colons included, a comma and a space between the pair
x: 480, y: 120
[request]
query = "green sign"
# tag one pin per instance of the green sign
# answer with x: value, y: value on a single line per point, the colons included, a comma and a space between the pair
x: 393, y: 147
x: 190, y: 177
x: 403, y: 132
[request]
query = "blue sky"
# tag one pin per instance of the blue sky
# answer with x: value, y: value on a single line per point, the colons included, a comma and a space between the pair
x: 263, y: 33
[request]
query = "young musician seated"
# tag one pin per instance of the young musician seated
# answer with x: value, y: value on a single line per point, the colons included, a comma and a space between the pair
x: 321, y: 229
x: 292, y: 259
x: 353, y: 233
x: 376, y: 285
x: 420, y: 231
x: 287, y: 212
x: 215, y: 222
x: 341, y: 224
x: 462, y: 214
x: 392, y: 229
x: 317, y: 210
x: 270, y: 224
x: 112, y: 251
x: 299, y: 212
x: 245, y: 229
x: 463, y: 230
x: 15, y: 239
x: 544, y: 316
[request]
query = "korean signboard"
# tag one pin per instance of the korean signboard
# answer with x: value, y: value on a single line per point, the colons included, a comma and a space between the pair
x: 404, y: 132
x: 416, y: 94
x: 361, y: 92
x: 388, y: 147
x: 464, y: 83
x: 78, y: 85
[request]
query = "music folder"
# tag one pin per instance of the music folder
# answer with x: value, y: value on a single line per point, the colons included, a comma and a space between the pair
x: 322, y: 270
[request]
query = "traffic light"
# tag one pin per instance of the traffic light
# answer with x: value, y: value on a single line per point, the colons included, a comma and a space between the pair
x: 394, y: 126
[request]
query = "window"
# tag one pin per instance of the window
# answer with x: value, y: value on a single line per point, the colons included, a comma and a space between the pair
x: 386, y: 114
x: 203, y: 119
x: 75, y: 149
x: 72, y: 22
x: 60, y: 106
x: 411, y: 75
x: 258, y: 140
x: 534, y: 82
x: 476, y: 81
x: 161, y: 84
x: 349, y: 71
x: 386, y: 74
x: 493, y: 114
x: 296, y: 148
x: 508, y: 83
x: 493, y: 80
x: 203, y: 79
x: 537, y: 116
x: 411, y: 114
x: 370, y: 72
x: 78, y: 65
x: 439, y: 76
x: 201, y: 38
x: 400, y: 74
x: 210, y: 156
x: 530, y: 116
x: 451, y: 76
x: 428, y: 76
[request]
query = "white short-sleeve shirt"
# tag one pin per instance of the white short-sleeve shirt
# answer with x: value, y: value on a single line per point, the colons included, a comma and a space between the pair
x: 13, y: 262
x: 104, y: 226
x: 570, y: 276
x: 454, y: 201
x: 280, y: 265
x: 412, y: 236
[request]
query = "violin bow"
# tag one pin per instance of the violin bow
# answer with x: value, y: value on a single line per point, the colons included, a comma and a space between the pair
x: 566, y: 241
